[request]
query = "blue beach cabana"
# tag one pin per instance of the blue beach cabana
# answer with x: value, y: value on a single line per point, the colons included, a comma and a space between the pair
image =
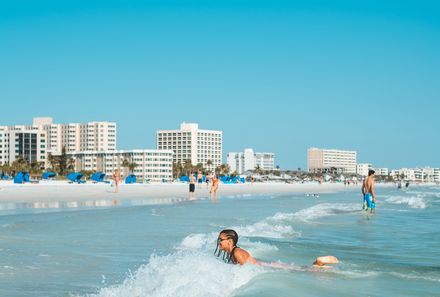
x: 184, y: 178
x: 130, y: 179
x: 48, y: 175
x: 232, y: 180
x: 75, y: 177
x: 19, y: 178
x: 98, y: 177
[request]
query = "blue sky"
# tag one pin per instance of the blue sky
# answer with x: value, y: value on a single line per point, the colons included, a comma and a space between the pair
x: 278, y: 76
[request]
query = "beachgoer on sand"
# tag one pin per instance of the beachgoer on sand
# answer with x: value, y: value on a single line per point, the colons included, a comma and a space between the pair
x: 228, y: 250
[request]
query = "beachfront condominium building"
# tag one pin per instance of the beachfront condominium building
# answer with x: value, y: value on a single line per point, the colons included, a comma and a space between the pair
x: 331, y: 161
x: 28, y: 142
x: 437, y: 175
x: 90, y: 136
x: 407, y: 174
x: 191, y: 143
x: 241, y: 162
x: 381, y: 171
x: 426, y: 174
x: 363, y: 168
x: 153, y: 165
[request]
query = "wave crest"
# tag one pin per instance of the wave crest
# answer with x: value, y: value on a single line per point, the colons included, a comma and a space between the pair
x: 411, y: 201
x: 182, y: 274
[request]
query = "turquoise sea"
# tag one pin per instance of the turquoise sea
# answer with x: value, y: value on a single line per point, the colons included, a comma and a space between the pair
x: 164, y: 247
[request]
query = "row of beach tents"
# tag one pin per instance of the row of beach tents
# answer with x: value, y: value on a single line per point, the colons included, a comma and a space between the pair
x: 99, y: 177
x: 73, y: 177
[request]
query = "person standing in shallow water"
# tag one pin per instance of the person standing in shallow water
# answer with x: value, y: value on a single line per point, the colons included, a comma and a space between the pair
x: 227, y: 249
x: 214, y: 187
x: 199, y: 179
x: 116, y: 179
x: 369, y: 193
x: 192, y: 185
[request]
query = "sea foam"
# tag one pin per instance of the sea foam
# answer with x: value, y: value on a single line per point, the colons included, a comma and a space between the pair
x: 192, y: 270
x: 319, y: 211
x: 182, y: 274
x: 411, y: 201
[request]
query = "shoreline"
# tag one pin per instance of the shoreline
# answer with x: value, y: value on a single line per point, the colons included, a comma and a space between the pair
x: 61, y: 191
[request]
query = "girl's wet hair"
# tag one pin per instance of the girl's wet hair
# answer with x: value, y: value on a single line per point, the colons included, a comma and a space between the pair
x: 230, y: 234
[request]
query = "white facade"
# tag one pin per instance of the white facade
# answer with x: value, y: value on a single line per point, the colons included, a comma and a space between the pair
x: 419, y: 175
x: 191, y: 143
x: 26, y: 141
x: 4, y: 145
x: 331, y: 160
x: 403, y: 174
x: 382, y: 171
x: 363, y: 168
x: 248, y: 160
x: 437, y: 175
x: 91, y: 136
x: 154, y: 165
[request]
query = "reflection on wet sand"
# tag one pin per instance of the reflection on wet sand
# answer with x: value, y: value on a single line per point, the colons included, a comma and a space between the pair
x: 89, y: 203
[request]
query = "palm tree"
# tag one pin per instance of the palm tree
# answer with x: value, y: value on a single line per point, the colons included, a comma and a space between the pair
x: 132, y: 166
x: 36, y: 167
x: 199, y: 167
x: 71, y: 164
x: 62, y: 161
x: 222, y: 169
x: 52, y: 161
x: 258, y: 169
x: 125, y: 165
x: 188, y: 167
x: 6, y: 169
x: 20, y: 164
x: 177, y: 169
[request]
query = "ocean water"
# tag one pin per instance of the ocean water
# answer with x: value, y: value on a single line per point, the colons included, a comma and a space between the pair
x: 164, y: 247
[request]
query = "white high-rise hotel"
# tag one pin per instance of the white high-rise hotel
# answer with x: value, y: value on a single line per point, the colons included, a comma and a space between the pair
x: 28, y: 142
x: 34, y: 142
x: 91, y: 136
x: 249, y: 160
x: 191, y: 143
x: 331, y: 160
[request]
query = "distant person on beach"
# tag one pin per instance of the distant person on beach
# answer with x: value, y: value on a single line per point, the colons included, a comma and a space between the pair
x: 215, y: 182
x: 199, y: 179
x: 228, y: 250
x: 192, y: 184
x: 368, y: 192
x: 207, y: 180
x: 116, y: 179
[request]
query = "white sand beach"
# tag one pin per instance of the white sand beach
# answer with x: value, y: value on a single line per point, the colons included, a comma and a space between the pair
x: 50, y: 191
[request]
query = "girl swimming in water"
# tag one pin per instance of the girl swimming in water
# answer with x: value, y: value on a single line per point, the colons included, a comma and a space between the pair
x: 228, y: 250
